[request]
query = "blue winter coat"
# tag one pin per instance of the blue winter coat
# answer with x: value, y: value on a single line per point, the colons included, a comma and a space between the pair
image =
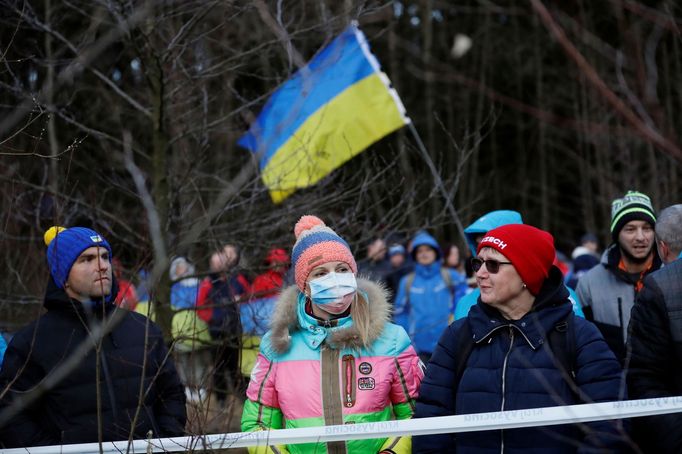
x: 469, y: 300
x: 430, y: 306
x: 509, y: 369
x: 184, y: 293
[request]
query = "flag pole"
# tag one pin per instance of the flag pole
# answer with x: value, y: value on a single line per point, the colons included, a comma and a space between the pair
x: 438, y: 180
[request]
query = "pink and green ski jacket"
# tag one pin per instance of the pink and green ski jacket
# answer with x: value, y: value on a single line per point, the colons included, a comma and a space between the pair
x: 308, y: 375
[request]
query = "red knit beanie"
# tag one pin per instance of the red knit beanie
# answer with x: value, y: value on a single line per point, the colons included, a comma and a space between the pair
x: 530, y: 250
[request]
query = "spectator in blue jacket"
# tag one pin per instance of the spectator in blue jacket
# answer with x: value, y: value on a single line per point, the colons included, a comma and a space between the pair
x: 474, y: 234
x: 426, y: 297
x: 185, y: 286
x: 509, y: 363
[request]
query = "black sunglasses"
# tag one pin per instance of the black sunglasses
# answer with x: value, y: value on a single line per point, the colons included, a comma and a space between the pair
x: 493, y: 266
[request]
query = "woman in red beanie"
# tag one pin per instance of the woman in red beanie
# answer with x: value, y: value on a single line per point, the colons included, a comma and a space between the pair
x: 520, y: 347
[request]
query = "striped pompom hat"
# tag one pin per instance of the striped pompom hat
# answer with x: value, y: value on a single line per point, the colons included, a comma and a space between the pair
x: 317, y: 244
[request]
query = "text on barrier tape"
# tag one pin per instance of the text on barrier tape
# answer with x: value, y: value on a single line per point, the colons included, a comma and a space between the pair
x: 512, y: 419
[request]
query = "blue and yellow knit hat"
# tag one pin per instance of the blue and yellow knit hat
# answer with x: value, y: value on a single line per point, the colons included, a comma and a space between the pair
x: 65, y: 245
x: 634, y: 206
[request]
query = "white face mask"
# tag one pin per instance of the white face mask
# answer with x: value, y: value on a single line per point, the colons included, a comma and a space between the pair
x: 333, y: 292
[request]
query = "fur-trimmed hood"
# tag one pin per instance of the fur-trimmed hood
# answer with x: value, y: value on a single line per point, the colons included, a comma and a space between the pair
x: 285, y: 318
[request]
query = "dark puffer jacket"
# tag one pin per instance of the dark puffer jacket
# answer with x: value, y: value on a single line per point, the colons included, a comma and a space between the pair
x: 67, y: 412
x: 655, y: 365
x: 509, y: 369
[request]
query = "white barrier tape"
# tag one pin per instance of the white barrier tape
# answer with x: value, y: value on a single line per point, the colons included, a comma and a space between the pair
x: 513, y: 419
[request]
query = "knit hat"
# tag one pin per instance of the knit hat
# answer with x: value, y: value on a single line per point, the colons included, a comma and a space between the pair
x: 65, y: 245
x: 634, y: 206
x: 317, y: 244
x: 396, y: 249
x: 530, y: 250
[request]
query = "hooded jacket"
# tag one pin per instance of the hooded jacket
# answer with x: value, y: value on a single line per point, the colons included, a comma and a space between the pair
x: 311, y: 373
x: 67, y: 411
x: 426, y: 308
x: 487, y: 222
x: 184, y: 290
x: 510, y: 369
x: 270, y: 282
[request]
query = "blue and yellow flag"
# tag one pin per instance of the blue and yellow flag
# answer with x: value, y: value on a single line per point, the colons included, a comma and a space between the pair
x: 326, y: 113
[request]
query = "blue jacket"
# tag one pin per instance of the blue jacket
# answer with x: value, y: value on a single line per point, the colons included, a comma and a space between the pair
x: 430, y: 305
x: 509, y: 369
x: 469, y: 300
x: 184, y: 293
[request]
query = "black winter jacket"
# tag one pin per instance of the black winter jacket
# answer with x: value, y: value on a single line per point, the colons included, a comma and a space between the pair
x: 509, y: 369
x: 67, y: 411
x: 655, y: 362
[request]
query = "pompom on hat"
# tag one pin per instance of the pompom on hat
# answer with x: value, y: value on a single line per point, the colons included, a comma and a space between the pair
x: 65, y: 245
x: 530, y: 250
x: 317, y: 244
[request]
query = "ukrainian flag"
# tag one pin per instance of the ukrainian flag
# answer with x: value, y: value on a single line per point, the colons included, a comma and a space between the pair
x: 329, y: 111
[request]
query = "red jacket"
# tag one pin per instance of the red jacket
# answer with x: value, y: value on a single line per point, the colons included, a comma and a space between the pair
x: 240, y: 288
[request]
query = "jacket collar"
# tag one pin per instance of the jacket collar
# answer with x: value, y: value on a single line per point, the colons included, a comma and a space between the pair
x: 551, y: 306
x: 611, y: 259
x: 289, y: 317
x: 56, y: 299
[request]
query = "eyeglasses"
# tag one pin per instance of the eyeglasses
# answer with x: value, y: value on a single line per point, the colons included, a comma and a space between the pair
x: 493, y: 266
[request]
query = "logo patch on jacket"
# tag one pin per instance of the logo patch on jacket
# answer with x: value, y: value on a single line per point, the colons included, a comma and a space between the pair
x: 365, y: 368
x: 365, y: 383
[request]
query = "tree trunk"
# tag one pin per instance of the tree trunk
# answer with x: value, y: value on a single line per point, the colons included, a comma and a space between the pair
x: 160, y: 191
x: 400, y: 137
x: 542, y: 176
x: 53, y: 184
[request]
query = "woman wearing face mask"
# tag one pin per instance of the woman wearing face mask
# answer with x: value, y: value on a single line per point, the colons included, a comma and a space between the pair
x: 331, y: 356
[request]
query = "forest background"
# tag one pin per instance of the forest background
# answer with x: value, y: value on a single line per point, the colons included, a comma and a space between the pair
x: 124, y: 115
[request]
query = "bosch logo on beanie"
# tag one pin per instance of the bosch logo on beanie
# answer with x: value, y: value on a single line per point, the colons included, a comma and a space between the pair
x: 530, y: 250
x: 491, y: 239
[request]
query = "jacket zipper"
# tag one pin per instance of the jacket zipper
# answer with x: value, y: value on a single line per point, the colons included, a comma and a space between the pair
x: 504, y: 380
x: 349, y: 380
x: 331, y: 394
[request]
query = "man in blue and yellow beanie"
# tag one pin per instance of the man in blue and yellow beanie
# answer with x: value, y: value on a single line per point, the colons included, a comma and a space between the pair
x: 89, y: 253
x: 109, y: 371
